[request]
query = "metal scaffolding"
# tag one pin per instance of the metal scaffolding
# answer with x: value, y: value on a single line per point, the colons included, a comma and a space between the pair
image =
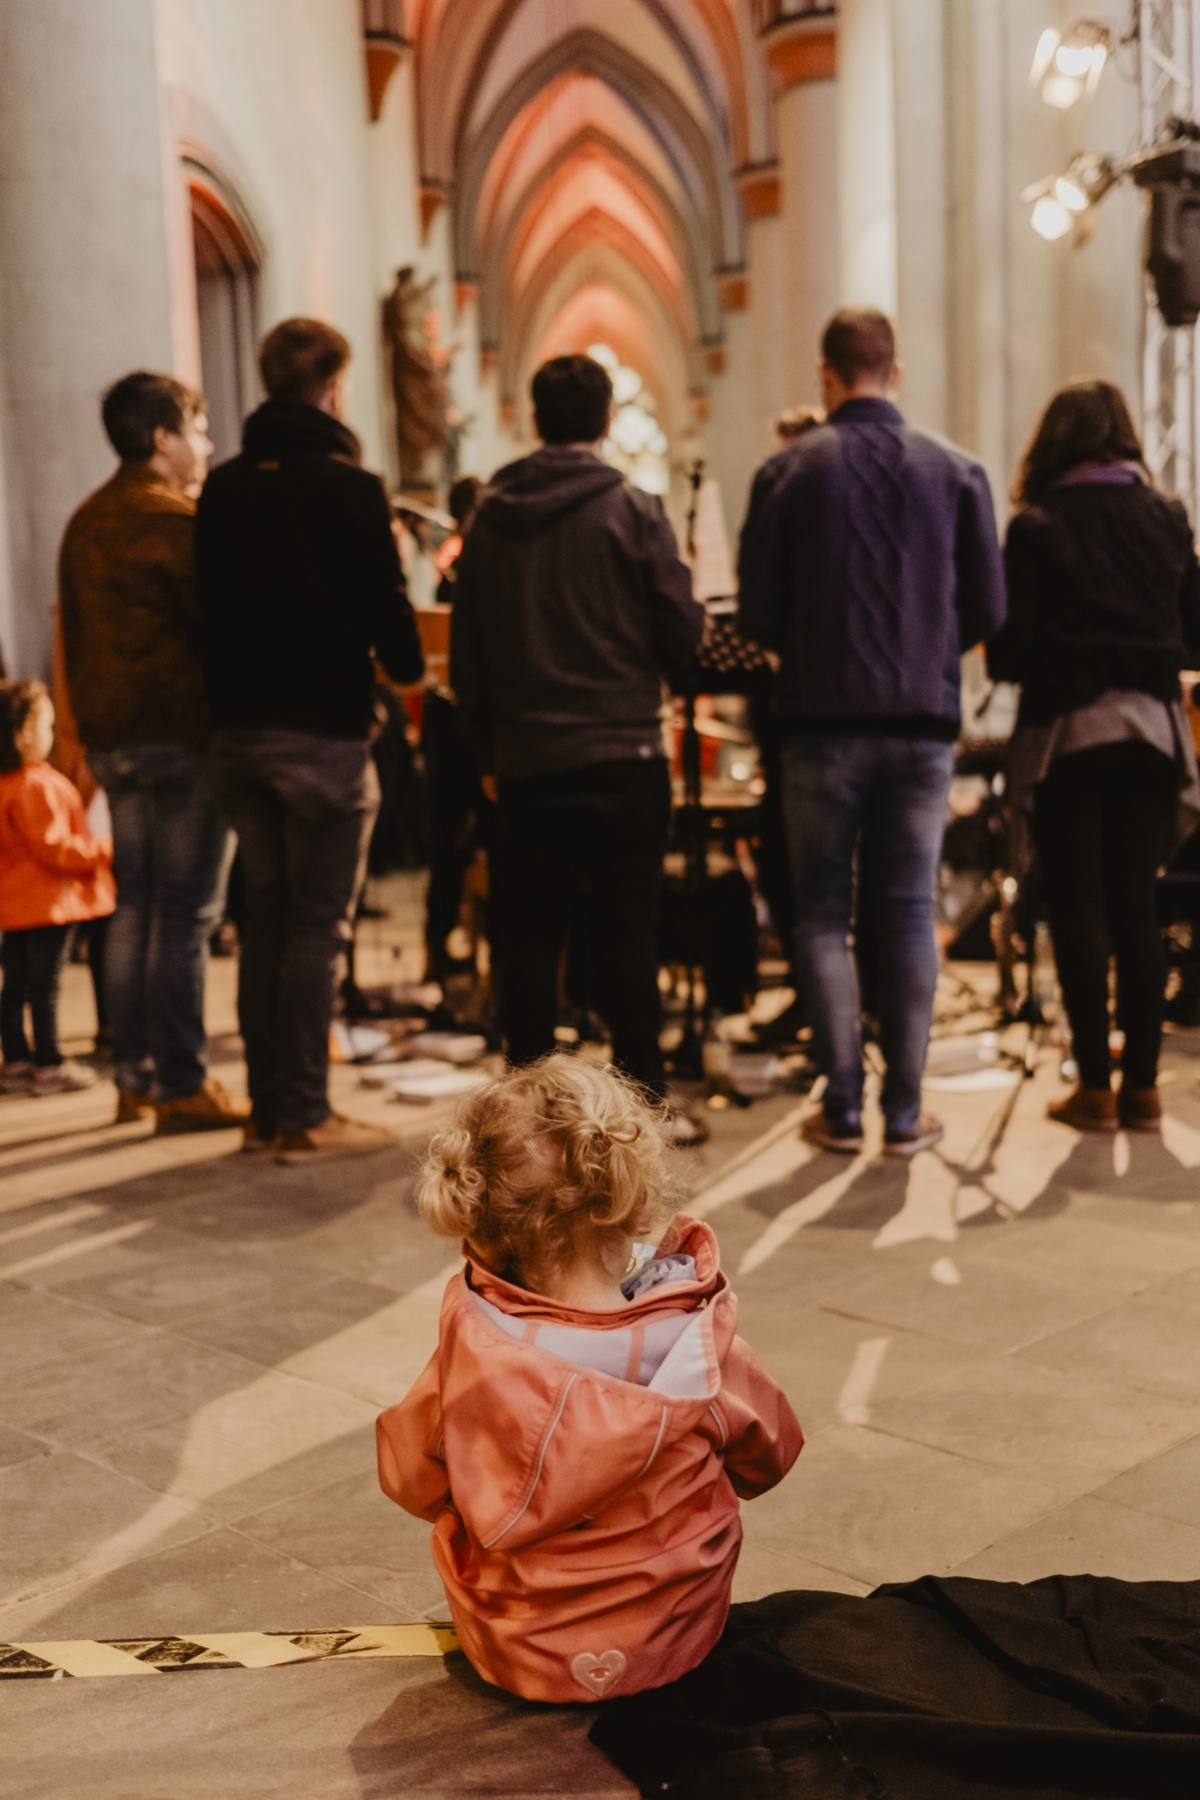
x: 1168, y: 39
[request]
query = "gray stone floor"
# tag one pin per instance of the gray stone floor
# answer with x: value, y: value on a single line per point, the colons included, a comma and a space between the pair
x: 995, y: 1353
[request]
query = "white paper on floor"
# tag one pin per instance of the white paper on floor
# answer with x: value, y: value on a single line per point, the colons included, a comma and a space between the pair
x: 450, y: 1046
x: 945, y: 1272
x: 445, y: 1084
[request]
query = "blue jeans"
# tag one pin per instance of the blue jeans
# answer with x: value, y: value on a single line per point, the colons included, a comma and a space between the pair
x: 171, y: 856
x: 303, y: 807
x: 893, y: 791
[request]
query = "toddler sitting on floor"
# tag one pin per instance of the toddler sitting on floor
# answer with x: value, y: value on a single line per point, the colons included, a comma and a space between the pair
x: 582, y: 1433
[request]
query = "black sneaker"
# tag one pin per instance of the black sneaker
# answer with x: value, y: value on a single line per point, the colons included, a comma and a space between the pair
x: 837, y: 1135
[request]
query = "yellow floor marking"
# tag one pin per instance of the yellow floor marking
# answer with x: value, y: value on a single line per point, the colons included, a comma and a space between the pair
x: 87, y: 1658
x: 236, y: 1649
x: 252, y: 1649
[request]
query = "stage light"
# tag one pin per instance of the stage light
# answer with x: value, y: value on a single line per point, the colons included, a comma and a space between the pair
x: 1064, y: 202
x: 1068, y: 64
x: 1050, y: 218
x: 1068, y: 193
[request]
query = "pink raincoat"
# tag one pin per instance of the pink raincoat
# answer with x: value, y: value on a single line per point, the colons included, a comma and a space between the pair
x: 586, y: 1517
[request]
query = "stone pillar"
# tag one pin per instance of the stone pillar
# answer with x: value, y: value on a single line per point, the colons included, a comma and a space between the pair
x: 802, y: 54
x: 866, y: 139
x: 85, y: 285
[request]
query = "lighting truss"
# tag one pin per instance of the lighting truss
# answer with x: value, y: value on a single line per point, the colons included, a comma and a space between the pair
x: 1168, y: 36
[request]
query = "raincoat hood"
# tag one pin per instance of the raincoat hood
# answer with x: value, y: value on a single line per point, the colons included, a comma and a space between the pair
x: 586, y: 1522
x: 528, y: 496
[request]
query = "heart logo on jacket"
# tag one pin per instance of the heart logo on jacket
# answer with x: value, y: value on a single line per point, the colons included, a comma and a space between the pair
x: 598, y: 1673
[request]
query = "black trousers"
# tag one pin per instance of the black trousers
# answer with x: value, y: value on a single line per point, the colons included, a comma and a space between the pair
x: 603, y: 829
x: 32, y: 962
x: 1103, y: 821
x: 303, y: 807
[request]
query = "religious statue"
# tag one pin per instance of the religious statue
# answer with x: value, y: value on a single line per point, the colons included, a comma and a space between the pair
x: 427, y: 423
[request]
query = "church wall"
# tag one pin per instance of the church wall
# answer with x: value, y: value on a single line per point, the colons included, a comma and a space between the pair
x: 84, y: 274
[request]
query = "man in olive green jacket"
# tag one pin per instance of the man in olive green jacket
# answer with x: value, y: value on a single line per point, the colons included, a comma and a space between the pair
x: 132, y: 652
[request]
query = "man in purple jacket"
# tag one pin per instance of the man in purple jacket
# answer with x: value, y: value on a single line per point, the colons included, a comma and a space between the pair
x: 872, y: 566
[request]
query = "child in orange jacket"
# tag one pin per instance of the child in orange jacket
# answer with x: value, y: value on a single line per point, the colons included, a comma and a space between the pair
x: 582, y: 1434
x: 53, y: 873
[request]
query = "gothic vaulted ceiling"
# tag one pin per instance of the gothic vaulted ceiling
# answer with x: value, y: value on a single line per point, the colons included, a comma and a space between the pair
x: 589, y: 151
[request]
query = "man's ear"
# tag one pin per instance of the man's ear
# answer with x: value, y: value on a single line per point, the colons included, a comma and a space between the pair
x: 896, y: 377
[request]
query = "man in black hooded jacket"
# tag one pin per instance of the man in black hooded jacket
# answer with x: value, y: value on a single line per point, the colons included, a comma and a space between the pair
x: 301, y: 589
x: 571, y: 606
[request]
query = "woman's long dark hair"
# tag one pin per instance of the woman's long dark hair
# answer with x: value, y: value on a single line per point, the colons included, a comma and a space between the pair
x: 1086, y: 422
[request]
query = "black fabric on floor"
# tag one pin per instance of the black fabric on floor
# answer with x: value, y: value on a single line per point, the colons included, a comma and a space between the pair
x: 935, y: 1690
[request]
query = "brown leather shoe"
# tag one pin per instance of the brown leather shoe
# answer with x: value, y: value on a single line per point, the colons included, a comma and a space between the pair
x: 335, y: 1137
x: 1140, y: 1109
x: 210, y: 1108
x: 1087, y: 1109
x: 132, y: 1107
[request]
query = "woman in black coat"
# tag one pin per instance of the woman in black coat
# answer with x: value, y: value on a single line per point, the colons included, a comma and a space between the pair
x: 1104, y: 612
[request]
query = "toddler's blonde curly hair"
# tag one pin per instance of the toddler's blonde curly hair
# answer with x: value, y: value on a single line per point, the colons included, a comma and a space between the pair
x: 548, y: 1160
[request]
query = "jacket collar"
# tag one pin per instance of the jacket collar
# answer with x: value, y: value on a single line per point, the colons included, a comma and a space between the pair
x: 690, y: 1236
x: 867, y: 409
x: 291, y: 428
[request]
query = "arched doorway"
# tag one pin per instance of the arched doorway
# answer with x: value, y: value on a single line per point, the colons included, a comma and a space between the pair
x: 227, y: 267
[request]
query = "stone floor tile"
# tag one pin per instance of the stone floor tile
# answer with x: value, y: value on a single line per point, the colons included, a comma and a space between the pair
x: 1087, y: 1250
x: 255, y: 1444
x: 39, y: 1327
x: 119, y: 1389
x: 1073, y: 1431
x: 16, y: 1447
x: 317, y: 1307
x: 835, y: 1369
x: 218, y: 1580
x: 1143, y: 1343
x: 366, y: 1731
x: 771, y: 1565
x: 1092, y: 1537
x: 187, y: 1280
x: 351, y: 1530
x: 993, y: 1306
x: 879, y: 1509
x: 1168, y: 1485
x: 65, y: 1519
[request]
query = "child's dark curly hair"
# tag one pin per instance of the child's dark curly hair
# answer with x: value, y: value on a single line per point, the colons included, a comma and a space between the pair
x: 17, y: 701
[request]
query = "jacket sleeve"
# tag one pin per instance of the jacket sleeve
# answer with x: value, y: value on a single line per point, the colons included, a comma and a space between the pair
x: 408, y: 1447
x: 982, y: 603
x: 762, y: 1434
x: 1189, y: 602
x: 468, y: 662
x: 678, y: 616
x: 45, y: 827
x: 762, y: 563
x: 1009, y: 651
x: 390, y: 619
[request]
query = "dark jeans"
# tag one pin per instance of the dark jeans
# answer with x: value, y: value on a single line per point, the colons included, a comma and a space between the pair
x: 32, y: 962
x: 602, y: 828
x: 891, y: 792
x: 303, y: 807
x: 1103, y: 820
x: 171, y: 852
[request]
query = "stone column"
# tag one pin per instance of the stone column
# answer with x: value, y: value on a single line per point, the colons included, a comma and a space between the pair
x: 802, y: 55
x: 85, y: 286
x: 866, y: 140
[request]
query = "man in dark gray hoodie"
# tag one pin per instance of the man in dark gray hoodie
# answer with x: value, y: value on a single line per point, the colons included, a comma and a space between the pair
x: 571, y: 606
